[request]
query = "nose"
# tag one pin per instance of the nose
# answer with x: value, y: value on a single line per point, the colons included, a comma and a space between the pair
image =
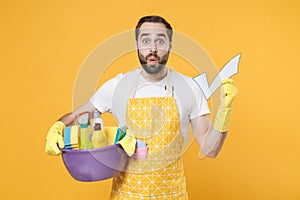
x: 153, y: 47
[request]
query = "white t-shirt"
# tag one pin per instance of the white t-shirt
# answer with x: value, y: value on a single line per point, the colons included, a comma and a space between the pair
x: 190, y: 100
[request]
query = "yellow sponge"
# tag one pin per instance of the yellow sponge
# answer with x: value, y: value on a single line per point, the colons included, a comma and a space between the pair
x: 128, y: 143
x: 110, y: 132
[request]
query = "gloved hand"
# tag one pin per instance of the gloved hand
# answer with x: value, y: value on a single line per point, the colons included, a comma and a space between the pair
x: 228, y: 93
x: 54, y: 137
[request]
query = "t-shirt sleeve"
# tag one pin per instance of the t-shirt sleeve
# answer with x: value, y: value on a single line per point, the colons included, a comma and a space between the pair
x: 102, y: 99
x: 200, y: 106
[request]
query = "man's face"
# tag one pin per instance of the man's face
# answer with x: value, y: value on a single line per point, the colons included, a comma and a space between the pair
x: 153, y: 47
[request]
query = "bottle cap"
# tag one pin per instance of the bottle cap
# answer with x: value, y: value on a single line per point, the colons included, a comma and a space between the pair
x: 96, y: 114
x: 84, y: 118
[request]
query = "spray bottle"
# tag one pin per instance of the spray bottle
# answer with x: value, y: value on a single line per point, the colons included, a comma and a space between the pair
x: 85, y: 142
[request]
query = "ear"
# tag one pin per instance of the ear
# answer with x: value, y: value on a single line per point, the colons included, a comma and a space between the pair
x: 170, y: 46
x: 136, y: 46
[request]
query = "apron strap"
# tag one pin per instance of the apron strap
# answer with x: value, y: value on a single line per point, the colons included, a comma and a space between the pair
x: 169, y: 85
x: 134, y: 84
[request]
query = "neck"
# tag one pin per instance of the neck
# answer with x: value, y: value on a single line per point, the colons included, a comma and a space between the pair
x: 155, y: 77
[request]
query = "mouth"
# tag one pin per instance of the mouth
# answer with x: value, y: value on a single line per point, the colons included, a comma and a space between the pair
x: 152, y: 59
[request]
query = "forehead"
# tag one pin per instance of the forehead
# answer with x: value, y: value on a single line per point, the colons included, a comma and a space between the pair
x: 153, y: 29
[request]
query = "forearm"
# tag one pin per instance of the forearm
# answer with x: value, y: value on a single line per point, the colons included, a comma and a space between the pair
x: 71, y: 118
x: 211, y: 143
x: 68, y: 119
x: 208, y: 138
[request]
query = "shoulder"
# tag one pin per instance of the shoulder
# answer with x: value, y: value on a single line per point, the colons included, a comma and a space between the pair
x: 176, y: 74
x: 181, y: 78
x: 116, y: 79
x: 124, y: 81
x: 186, y: 85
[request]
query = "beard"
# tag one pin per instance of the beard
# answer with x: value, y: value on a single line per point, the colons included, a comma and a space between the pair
x: 153, y: 68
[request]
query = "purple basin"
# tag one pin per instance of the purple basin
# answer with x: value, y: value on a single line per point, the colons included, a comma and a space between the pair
x: 95, y: 164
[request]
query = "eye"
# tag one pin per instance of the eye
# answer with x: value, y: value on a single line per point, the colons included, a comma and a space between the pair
x: 160, y: 42
x: 146, y: 41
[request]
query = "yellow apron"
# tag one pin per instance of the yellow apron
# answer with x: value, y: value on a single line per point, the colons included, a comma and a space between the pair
x: 154, y: 120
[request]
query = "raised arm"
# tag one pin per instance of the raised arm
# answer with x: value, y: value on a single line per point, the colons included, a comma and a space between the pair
x: 211, y: 137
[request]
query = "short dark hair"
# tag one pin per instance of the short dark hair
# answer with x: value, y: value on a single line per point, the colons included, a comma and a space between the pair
x: 154, y: 19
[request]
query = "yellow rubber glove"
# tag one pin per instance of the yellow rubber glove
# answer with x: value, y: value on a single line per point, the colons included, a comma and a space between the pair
x: 228, y: 93
x: 54, y: 137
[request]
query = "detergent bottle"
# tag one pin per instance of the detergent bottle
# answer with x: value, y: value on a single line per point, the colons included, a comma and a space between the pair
x: 99, y: 138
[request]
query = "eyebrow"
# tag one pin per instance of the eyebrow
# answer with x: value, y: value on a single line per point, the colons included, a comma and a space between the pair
x: 159, y: 34
x: 162, y: 34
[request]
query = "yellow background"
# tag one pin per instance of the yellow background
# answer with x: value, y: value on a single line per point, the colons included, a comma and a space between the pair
x: 44, y: 43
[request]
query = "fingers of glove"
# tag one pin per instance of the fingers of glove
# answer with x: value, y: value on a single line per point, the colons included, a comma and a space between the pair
x: 51, y: 143
x: 228, y: 92
x: 227, y: 80
x: 49, y: 152
x: 228, y: 88
x: 53, y: 134
x: 60, y: 141
x: 59, y: 125
x: 52, y: 152
x: 52, y: 149
x: 56, y: 151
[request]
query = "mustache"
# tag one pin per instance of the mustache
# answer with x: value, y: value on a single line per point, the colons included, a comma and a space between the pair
x: 154, y: 55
